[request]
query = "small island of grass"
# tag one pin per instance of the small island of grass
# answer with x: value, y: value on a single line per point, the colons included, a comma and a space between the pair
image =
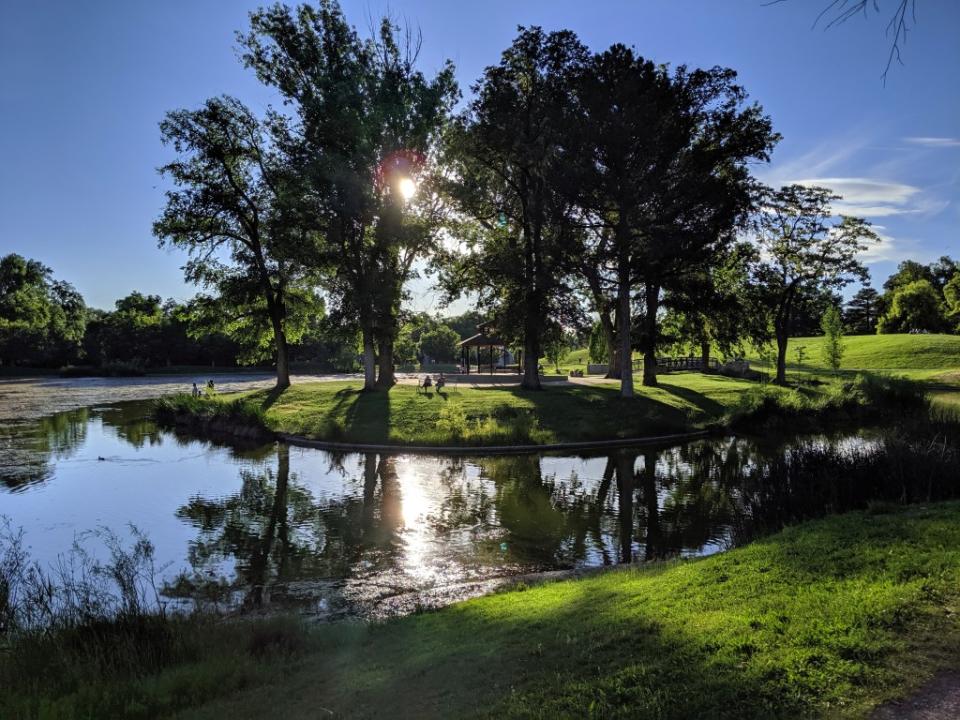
x: 504, y: 415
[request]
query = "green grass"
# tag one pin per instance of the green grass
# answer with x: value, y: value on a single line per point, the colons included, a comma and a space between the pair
x: 147, y: 667
x: 932, y: 359
x: 508, y: 415
x: 881, y: 352
x: 491, y: 415
x: 828, y: 618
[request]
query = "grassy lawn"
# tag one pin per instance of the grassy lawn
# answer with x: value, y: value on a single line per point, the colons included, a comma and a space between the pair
x: 485, y: 415
x: 881, y: 352
x: 922, y: 354
x: 932, y: 359
x: 476, y: 416
x: 473, y: 416
x: 826, y: 618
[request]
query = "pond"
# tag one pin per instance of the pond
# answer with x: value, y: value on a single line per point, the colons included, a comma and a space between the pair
x: 275, y: 526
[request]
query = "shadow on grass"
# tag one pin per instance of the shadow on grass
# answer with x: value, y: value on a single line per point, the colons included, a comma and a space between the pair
x: 368, y: 416
x: 593, y: 653
x: 668, y: 642
x: 698, y: 400
x: 598, y: 412
x: 271, y: 397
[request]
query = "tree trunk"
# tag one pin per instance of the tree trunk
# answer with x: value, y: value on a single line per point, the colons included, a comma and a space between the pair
x: 386, y: 379
x: 613, y: 351
x: 652, y: 297
x: 705, y: 354
x: 623, y: 320
x: 283, y: 354
x: 782, y: 339
x: 781, y: 330
x: 369, y: 360
x: 531, y: 353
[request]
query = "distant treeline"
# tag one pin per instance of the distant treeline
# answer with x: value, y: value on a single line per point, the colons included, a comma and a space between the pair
x: 916, y: 298
x: 45, y: 323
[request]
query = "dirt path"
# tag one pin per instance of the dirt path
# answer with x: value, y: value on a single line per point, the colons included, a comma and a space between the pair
x: 937, y: 700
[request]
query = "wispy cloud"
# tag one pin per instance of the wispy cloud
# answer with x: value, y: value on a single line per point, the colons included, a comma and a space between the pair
x: 902, y: 182
x: 891, y: 249
x: 934, y: 142
x: 825, y: 158
x: 870, y: 198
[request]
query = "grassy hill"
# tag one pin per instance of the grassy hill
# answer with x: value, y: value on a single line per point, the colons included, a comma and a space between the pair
x: 920, y: 355
x: 882, y: 352
x: 931, y: 358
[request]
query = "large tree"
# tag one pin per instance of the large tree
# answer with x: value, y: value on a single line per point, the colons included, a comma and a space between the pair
x: 951, y: 296
x: 226, y: 211
x: 713, y: 309
x: 804, y: 252
x: 42, y: 320
x: 503, y: 179
x: 360, y: 134
x: 658, y: 161
x: 862, y: 311
x: 914, y: 307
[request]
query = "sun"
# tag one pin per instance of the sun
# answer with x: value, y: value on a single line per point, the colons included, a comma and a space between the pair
x: 407, y: 187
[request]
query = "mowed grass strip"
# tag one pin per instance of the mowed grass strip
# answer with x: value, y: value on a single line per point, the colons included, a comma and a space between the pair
x: 478, y: 416
x: 489, y: 415
x: 828, y: 618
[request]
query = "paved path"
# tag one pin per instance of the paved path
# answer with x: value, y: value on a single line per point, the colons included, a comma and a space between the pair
x: 937, y: 700
x: 33, y: 397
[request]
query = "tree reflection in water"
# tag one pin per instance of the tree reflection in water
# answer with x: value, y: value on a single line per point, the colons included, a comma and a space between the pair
x: 413, y: 523
x: 309, y: 527
x: 28, y: 450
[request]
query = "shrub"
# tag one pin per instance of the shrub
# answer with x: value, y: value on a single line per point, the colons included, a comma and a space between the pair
x: 87, y: 638
x: 867, y: 396
x: 452, y: 421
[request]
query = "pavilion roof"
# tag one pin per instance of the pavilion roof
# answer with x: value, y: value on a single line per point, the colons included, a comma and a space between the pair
x: 482, y: 340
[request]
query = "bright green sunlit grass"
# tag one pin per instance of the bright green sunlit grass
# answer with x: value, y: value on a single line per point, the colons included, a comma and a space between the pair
x: 828, y: 618
x: 486, y: 415
x: 882, y: 352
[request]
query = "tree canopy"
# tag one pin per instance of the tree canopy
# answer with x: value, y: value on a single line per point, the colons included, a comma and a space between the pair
x: 804, y: 252
x: 42, y: 320
x: 357, y: 141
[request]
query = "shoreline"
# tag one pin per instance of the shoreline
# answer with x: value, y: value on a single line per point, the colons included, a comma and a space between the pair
x: 301, y: 441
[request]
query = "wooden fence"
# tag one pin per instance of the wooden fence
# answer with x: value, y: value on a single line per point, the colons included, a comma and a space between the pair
x: 682, y: 363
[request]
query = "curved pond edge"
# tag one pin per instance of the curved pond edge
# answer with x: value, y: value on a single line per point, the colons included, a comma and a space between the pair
x: 301, y: 441
x: 242, y: 431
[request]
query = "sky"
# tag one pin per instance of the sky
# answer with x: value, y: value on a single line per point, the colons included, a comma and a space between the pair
x: 83, y: 86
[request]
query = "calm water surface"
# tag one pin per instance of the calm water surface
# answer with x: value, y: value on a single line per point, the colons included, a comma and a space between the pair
x: 279, y: 526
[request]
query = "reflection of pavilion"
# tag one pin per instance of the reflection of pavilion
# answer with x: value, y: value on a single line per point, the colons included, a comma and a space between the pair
x: 489, y: 347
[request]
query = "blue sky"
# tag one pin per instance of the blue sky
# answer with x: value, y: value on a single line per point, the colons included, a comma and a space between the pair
x: 84, y: 85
